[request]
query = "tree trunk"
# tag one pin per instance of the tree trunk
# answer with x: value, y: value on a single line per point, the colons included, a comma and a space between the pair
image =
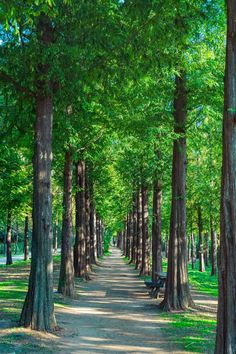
x: 87, y: 223
x: 101, y: 227
x: 206, y: 252
x: 213, y: 252
x: 156, y: 231
x: 38, y: 309
x: 193, y: 250
x: 17, y: 237
x: 80, y: 245
x: 8, y: 239
x: 145, y: 268
x: 119, y: 240
x: 98, y: 235
x: 127, y: 236
x: 56, y: 235
x: 134, y: 231
x: 124, y: 239
x: 226, y: 325
x: 201, y: 247
x: 139, y: 232
x: 131, y: 236
x: 177, y: 293
x: 26, y: 239
x: 93, y: 248
x: 66, y: 279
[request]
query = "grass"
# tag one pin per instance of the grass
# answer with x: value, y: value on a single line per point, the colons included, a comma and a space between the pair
x: 203, y: 281
x: 13, y: 288
x: 192, y: 332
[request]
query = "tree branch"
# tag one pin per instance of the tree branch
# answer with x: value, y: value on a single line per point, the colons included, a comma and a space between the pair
x: 6, y: 78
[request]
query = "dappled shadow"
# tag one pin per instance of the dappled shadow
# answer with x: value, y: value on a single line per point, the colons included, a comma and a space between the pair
x: 113, y: 314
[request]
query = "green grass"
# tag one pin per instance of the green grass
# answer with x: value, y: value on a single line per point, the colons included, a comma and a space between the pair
x: 203, y: 281
x: 16, y: 264
x: 22, y: 263
x: 191, y: 331
x: 13, y: 288
x: 194, y: 331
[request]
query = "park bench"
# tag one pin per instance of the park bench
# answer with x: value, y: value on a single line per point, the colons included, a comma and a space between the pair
x: 156, y: 286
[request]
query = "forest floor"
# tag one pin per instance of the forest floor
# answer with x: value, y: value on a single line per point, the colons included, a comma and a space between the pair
x: 113, y: 314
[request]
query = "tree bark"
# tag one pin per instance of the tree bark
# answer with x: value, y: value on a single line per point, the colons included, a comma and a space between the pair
x: 127, y: 236
x: 80, y: 244
x: 101, y: 227
x: 193, y: 250
x: 124, y: 240
x: 139, y: 232
x: 145, y: 267
x: 87, y: 223
x: 156, y: 231
x: 98, y: 236
x: 177, y: 293
x: 131, y: 236
x: 213, y: 252
x: 201, y: 247
x: 66, y: 284
x: 26, y: 239
x: 8, y: 238
x: 119, y: 240
x: 55, y: 246
x: 134, y: 231
x: 206, y: 251
x: 226, y: 325
x: 17, y: 237
x: 38, y: 309
x: 93, y: 248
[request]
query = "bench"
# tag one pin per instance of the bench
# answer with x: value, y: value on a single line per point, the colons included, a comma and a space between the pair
x: 155, y: 287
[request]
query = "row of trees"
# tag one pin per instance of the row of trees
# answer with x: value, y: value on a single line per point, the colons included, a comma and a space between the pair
x: 118, y: 85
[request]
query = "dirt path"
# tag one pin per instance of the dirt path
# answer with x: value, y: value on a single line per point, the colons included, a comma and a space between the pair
x: 114, y: 314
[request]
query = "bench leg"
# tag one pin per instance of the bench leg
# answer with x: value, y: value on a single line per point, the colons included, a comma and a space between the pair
x: 154, y: 292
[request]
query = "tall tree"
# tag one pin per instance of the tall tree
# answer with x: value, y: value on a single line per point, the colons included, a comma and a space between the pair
x: 80, y: 237
x: 201, y: 246
x: 177, y: 292
x: 145, y: 264
x: 66, y: 278
x: 38, y: 309
x: 226, y: 325
x: 8, y: 238
x: 26, y: 238
x: 156, y: 230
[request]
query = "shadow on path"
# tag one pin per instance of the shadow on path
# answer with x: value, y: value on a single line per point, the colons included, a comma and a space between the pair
x: 114, y: 314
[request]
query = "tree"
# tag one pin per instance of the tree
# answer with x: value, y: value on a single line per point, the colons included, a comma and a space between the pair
x: 226, y: 327
x: 80, y: 240
x: 156, y: 231
x: 177, y: 293
x: 66, y: 278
